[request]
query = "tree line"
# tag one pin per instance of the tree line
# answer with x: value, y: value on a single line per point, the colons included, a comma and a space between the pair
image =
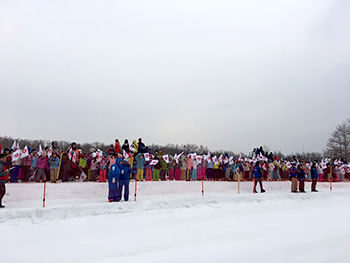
x: 338, y: 146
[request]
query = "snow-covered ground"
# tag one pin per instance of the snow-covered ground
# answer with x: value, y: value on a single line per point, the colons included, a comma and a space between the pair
x: 172, y: 222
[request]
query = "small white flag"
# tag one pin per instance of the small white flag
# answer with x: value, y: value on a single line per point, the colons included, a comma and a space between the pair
x: 125, y: 154
x: 24, y: 152
x: 14, y: 145
x: 49, y: 153
x: 231, y: 160
x: 147, y: 157
x: 132, y: 148
x: 40, y: 150
x: 83, y: 176
x: 16, y: 155
x: 220, y: 158
x: 153, y: 162
x: 166, y: 158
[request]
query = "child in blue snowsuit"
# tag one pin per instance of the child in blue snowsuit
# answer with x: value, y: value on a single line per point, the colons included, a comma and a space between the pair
x: 114, y: 181
x: 125, y: 171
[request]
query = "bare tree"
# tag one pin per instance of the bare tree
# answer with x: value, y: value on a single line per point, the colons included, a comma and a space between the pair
x: 338, y: 145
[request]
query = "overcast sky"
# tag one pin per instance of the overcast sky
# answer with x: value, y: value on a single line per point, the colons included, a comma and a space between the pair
x: 229, y: 75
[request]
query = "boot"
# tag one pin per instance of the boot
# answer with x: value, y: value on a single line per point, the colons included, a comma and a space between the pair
x: 263, y: 191
x: 254, y: 191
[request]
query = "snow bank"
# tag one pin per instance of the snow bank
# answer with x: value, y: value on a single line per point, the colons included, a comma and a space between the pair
x: 172, y: 222
x: 69, y: 200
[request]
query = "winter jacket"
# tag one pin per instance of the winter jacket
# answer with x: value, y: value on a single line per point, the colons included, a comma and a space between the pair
x: 314, y: 173
x: 183, y: 163
x: 194, y: 164
x: 94, y: 164
x: 293, y: 172
x: 157, y: 166
x: 117, y: 147
x: 115, y: 171
x: 125, y: 171
x: 125, y: 147
x: 171, y: 164
x: 3, y: 174
x: 140, y: 161
x: 210, y: 165
x: 82, y: 163
x: 26, y: 161
x: 141, y: 147
x: 35, y: 162
x: 54, y: 163
x: 135, y: 146
x: 257, y: 172
x: 42, y: 162
x: 301, y: 175
x: 164, y: 165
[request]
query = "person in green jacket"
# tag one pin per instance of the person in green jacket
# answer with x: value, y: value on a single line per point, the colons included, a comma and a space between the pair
x: 183, y: 168
x: 140, y: 166
x: 163, y: 169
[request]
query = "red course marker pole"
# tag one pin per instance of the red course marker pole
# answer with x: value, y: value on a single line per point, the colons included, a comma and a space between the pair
x: 44, y: 194
x: 135, y: 189
x: 202, y: 186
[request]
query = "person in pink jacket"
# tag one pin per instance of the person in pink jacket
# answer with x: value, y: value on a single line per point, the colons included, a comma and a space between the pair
x: 103, y: 170
x: 26, y: 165
x: 42, y: 165
x: 94, y: 169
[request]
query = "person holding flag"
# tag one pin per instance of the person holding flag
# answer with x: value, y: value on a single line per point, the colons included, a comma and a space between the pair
x: 26, y: 165
x: 16, y: 164
x: 164, y: 160
x: 74, y: 155
x: 141, y: 146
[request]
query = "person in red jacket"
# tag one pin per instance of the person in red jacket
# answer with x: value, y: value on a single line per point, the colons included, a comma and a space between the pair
x: 3, y: 177
x: 117, y: 146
